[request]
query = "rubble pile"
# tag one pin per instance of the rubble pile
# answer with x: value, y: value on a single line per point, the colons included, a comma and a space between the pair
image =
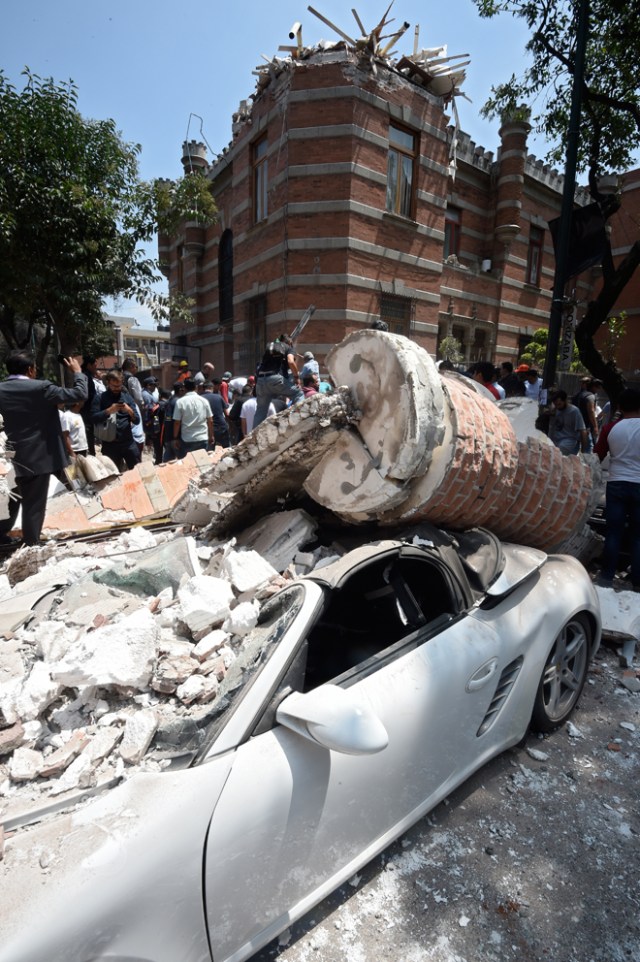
x: 115, y: 655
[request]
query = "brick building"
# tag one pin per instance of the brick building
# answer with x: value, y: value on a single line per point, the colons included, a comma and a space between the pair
x: 346, y: 188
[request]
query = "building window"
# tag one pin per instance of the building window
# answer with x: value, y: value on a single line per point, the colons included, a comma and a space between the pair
x: 461, y: 335
x: 534, y: 259
x: 400, y: 170
x: 260, y: 180
x: 524, y: 340
x: 479, y: 345
x: 397, y: 312
x: 252, y: 348
x: 225, y: 277
x: 452, y: 221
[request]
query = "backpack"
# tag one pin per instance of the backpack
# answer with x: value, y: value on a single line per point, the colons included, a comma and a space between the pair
x: 579, y: 400
x: 274, y: 359
x: 275, y: 349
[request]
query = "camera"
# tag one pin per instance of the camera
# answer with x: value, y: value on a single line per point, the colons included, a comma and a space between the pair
x: 61, y: 358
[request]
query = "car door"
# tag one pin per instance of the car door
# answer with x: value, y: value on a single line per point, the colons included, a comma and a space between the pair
x: 296, y: 819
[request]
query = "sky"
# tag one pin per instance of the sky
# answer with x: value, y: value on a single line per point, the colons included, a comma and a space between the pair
x: 157, y: 67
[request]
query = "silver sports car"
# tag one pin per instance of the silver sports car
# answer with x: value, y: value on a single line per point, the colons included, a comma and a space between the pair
x: 368, y: 691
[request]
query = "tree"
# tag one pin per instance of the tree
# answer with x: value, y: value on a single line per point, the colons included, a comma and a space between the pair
x: 535, y: 351
x: 610, y: 126
x: 450, y: 349
x: 616, y: 328
x: 73, y: 218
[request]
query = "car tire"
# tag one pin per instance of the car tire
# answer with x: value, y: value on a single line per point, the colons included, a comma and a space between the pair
x: 564, y: 675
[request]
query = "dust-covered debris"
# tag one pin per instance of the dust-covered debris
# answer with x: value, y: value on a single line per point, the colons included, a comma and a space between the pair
x: 121, y: 652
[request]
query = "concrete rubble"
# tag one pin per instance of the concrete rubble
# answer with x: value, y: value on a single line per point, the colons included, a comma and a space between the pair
x: 123, y: 657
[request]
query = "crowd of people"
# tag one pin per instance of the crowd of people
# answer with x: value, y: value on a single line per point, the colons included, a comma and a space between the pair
x: 49, y: 426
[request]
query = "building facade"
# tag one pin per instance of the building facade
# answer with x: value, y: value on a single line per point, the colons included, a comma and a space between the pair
x: 346, y: 188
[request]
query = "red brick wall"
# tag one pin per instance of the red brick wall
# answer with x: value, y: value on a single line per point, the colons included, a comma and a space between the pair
x: 328, y: 240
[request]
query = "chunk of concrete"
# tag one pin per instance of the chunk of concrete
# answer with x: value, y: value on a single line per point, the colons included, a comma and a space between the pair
x: 278, y: 537
x: 138, y: 735
x: 192, y: 689
x: 172, y: 671
x: 121, y: 654
x: 53, y: 640
x: 205, y: 602
x: 620, y: 611
x: 350, y: 480
x: 11, y: 738
x: 79, y: 774
x: 210, y: 644
x: 272, y: 461
x: 38, y: 692
x: 56, y: 763
x: 25, y: 764
x: 242, y: 619
x: 247, y: 570
x: 102, y: 743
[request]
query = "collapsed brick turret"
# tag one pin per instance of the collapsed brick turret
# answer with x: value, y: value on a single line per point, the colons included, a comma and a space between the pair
x: 424, y: 448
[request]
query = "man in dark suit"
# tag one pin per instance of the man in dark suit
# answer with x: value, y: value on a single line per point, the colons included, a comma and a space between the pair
x: 29, y: 408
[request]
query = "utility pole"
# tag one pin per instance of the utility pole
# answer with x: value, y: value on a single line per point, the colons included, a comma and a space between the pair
x: 568, y: 194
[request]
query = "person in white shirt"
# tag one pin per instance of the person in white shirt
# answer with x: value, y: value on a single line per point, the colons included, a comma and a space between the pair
x: 532, y: 385
x: 192, y: 421
x: 621, y: 440
x: 73, y: 430
x: 248, y: 413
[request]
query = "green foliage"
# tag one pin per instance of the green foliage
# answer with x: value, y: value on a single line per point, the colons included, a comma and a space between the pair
x: 73, y: 217
x: 450, y: 349
x: 610, y: 127
x: 614, y: 331
x: 535, y: 353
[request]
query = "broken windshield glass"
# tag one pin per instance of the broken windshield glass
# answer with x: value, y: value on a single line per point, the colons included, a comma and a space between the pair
x: 185, y: 735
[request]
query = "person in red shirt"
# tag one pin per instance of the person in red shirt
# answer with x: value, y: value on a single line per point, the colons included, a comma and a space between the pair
x: 484, y: 373
x: 224, y: 387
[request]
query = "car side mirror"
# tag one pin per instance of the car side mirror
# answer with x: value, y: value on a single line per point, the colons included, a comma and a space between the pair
x: 334, y: 718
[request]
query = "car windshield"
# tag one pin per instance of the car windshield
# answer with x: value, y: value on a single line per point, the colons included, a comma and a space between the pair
x: 193, y: 733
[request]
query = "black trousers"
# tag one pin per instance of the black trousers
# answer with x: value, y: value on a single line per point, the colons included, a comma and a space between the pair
x: 119, y: 451
x: 33, y: 493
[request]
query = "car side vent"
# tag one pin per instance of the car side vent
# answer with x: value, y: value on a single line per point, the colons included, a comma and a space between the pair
x: 504, y: 686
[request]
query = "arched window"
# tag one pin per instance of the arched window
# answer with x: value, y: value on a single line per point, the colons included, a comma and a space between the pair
x: 225, y: 277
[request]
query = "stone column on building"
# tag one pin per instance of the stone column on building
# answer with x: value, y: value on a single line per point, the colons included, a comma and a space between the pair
x: 511, y: 162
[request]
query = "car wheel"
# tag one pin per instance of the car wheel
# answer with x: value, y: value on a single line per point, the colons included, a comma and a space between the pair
x: 564, y: 675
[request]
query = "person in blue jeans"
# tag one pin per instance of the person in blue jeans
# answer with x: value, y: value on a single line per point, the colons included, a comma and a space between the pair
x: 621, y: 440
x: 278, y: 376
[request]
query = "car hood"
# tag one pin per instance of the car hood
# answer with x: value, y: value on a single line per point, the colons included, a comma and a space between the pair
x: 120, y: 877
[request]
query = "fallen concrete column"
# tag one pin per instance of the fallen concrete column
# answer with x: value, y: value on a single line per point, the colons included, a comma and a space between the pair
x: 475, y: 471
